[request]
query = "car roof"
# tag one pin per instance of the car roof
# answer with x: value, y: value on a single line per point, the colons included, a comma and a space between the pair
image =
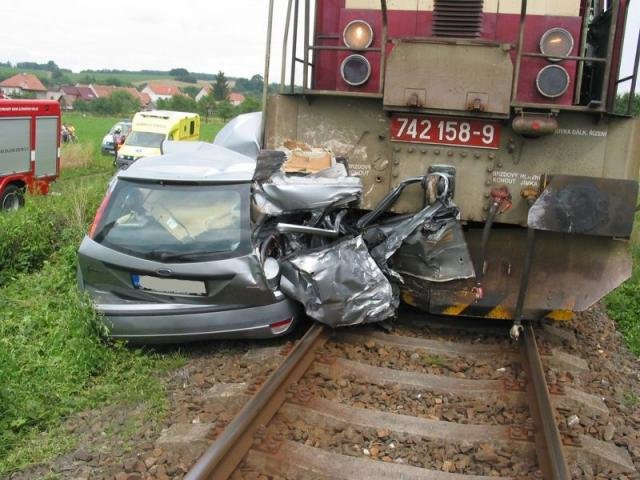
x: 192, y: 162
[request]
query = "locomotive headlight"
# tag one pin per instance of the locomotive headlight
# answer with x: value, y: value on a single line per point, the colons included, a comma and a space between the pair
x: 552, y: 81
x: 355, y: 70
x: 358, y: 35
x: 556, y: 42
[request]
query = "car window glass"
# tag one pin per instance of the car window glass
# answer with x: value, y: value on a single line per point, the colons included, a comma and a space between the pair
x: 145, y: 139
x: 176, y: 222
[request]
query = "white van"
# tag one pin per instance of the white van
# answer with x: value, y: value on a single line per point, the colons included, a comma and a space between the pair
x: 150, y: 129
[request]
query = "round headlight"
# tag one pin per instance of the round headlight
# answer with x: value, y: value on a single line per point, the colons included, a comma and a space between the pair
x: 552, y: 81
x: 358, y: 35
x: 355, y: 70
x: 556, y: 42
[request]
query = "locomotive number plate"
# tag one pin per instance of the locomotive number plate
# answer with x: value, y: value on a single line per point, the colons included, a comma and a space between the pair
x: 459, y: 132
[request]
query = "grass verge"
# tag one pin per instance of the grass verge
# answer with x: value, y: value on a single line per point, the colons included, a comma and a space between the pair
x: 623, y: 304
x: 53, y: 359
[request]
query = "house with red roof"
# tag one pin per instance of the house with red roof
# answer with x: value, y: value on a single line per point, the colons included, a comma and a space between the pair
x: 236, y: 98
x: 204, y: 91
x: 23, y: 83
x: 103, y: 91
x: 157, y: 91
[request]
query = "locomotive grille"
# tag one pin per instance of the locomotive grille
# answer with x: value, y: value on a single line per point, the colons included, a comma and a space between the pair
x: 457, y: 18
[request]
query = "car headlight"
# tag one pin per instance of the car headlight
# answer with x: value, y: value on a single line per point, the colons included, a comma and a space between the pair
x: 357, y: 35
x: 355, y: 70
x: 552, y: 81
x: 556, y: 42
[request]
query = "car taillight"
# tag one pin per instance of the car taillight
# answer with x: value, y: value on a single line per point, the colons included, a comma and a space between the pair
x: 281, y: 326
x: 99, y: 214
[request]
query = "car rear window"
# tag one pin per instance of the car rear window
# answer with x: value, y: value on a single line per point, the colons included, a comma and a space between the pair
x: 176, y: 223
x: 145, y: 139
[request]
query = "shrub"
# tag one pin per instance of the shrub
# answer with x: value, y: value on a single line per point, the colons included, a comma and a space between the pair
x: 46, y: 223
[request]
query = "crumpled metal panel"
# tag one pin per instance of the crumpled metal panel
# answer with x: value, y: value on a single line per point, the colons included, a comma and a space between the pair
x: 386, y: 249
x: 242, y: 134
x: 437, y: 256
x: 339, y: 285
x: 292, y: 193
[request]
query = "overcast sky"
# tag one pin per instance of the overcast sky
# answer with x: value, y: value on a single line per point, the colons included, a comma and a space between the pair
x: 200, y: 35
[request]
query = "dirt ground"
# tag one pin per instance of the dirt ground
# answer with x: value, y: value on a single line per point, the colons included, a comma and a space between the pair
x: 124, y: 443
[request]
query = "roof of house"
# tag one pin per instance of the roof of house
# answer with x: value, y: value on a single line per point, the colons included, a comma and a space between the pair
x: 162, y: 89
x: 103, y: 90
x: 236, y: 97
x: 145, y: 98
x: 85, y: 92
x: 70, y: 90
x: 25, y: 81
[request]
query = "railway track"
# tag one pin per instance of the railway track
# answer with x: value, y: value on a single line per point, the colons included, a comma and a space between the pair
x: 361, y: 403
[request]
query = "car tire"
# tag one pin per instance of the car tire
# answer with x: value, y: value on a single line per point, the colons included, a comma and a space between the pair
x: 12, y: 198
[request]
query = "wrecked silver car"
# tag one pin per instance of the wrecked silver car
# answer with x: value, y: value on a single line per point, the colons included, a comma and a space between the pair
x: 170, y: 255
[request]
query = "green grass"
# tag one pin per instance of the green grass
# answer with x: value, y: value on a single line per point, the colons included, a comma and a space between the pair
x: 54, y: 360
x: 129, y: 77
x: 623, y: 304
x: 91, y: 129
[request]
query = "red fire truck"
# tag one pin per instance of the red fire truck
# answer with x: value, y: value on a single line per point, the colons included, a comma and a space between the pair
x: 29, y: 148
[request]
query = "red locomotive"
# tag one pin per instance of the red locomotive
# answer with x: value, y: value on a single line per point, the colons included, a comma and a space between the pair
x: 514, y: 101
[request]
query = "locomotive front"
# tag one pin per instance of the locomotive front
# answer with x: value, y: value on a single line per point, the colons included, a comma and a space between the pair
x: 511, y: 101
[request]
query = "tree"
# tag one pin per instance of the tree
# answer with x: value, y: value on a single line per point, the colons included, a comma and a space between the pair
x: 207, y: 106
x: 225, y: 110
x: 178, y: 103
x: 118, y: 103
x: 622, y: 102
x: 251, y: 104
x: 192, y: 91
x: 220, y: 87
x: 178, y: 72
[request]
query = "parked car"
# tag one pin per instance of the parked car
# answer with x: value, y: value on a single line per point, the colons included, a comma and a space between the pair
x: 169, y: 256
x: 107, y: 145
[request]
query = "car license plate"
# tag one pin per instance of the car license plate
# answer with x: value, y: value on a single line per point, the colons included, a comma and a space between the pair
x: 459, y: 132
x: 168, y: 285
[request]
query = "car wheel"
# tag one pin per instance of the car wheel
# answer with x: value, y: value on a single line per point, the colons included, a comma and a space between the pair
x: 12, y: 198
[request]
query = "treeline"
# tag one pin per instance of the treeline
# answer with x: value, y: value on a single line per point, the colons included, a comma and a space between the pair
x: 622, y: 102
x: 122, y: 103
x: 52, y: 75
x: 118, y: 103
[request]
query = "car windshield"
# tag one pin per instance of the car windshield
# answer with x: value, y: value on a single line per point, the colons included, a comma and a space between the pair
x: 124, y: 128
x: 176, y: 222
x: 145, y: 139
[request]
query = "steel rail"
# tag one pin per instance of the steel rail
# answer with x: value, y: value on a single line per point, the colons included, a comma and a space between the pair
x: 222, y: 458
x: 551, y: 457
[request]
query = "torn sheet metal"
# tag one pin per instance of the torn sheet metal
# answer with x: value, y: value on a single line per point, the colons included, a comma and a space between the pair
x: 403, y: 229
x: 435, y: 255
x: 340, y: 285
x: 284, y: 193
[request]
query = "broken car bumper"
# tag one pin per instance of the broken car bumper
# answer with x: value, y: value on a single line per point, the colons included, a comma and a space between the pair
x: 170, y: 323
